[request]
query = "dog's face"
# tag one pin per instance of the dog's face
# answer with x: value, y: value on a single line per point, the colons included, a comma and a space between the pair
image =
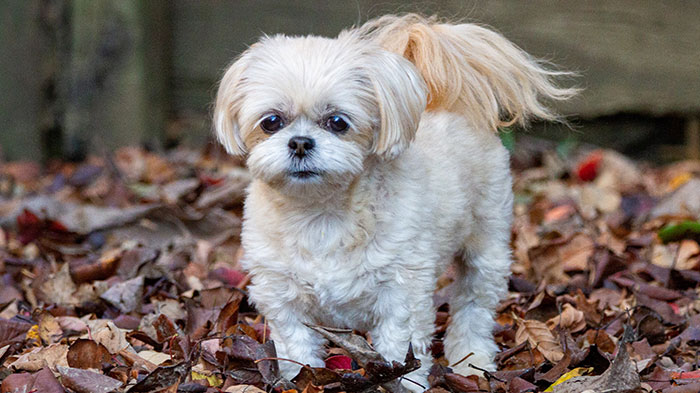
x: 309, y: 111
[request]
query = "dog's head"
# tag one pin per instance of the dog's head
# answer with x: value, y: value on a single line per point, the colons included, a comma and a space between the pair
x: 310, y: 111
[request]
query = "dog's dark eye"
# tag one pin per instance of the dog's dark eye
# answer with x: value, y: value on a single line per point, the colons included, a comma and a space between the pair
x: 271, y: 123
x: 336, y: 124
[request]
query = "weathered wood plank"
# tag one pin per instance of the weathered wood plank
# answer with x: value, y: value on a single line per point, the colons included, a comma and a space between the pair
x: 20, y: 82
x: 118, y: 74
x: 635, y: 55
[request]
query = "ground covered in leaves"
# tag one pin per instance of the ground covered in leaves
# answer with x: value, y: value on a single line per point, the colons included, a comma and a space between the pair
x: 121, y: 274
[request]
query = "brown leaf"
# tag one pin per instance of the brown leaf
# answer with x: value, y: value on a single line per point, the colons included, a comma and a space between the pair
x: 243, y: 389
x: 165, y: 328
x: 87, y: 354
x: 108, y: 334
x: 101, y: 269
x: 126, y: 296
x: 59, y: 288
x: 519, y: 385
x: 379, y: 371
x: 51, y: 356
x: 461, y: 383
x: 218, y: 297
x: 42, y: 381
x: 660, y: 307
x: 576, y: 252
x: 570, y: 319
x: 81, y: 218
x: 85, y: 381
x: 231, y: 191
x: 539, y: 336
x: 358, y: 347
x: 136, y: 361
x: 72, y: 324
x: 601, y: 339
x: 621, y: 377
x: 49, y: 329
x: 12, y: 331
x: 557, y: 371
x: 652, y: 291
x: 687, y: 255
x: 134, y: 259
x: 162, y: 377
x: 242, y: 328
x: 605, y: 297
x: 229, y: 314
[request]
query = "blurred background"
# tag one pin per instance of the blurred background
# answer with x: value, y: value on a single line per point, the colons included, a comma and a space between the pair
x: 81, y: 77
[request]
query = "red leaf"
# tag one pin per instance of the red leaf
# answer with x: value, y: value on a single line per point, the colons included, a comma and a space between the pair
x: 587, y: 170
x: 29, y: 226
x: 57, y: 226
x: 339, y: 362
x: 210, y: 180
x: 227, y: 276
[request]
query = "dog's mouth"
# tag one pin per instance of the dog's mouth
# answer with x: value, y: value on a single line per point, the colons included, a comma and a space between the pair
x: 304, y: 174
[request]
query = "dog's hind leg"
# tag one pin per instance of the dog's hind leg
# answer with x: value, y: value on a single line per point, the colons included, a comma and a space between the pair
x: 481, y: 282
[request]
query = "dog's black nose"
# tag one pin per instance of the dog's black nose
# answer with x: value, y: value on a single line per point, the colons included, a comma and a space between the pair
x: 301, y: 145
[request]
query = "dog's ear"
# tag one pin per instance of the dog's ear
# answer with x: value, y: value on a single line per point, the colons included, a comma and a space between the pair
x: 401, y: 96
x: 228, y: 105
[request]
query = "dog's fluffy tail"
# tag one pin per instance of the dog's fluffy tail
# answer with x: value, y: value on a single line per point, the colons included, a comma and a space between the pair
x: 472, y: 70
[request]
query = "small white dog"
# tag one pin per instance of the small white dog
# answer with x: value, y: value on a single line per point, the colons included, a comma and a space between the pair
x: 375, y: 160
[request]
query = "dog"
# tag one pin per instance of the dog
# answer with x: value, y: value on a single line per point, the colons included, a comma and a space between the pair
x: 375, y: 161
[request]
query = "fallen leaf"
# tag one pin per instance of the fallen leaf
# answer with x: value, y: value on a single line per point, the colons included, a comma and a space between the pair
x: 51, y: 356
x: 577, y: 372
x: 126, y: 296
x: 576, y: 253
x: 519, y: 385
x: 12, y: 331
x: 685, y: 201
x: 687, y: 255
x: 339, y: 362
x: 59, y: 288
x: 157, y: 358
x: 49, y: 329
x: 212, y: 379
x: 85, y: 381
x: 243, y: 389
x: 40, y: 382
x: 80, y: 218
x: 105, y: 332
x: 87, y: 354
x: 539, y: 336
x: 162, y: 377
x: 570, y: 319
x: 621, y: 377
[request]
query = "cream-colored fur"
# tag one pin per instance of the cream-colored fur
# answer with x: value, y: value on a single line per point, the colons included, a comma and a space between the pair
x: 418, y: 177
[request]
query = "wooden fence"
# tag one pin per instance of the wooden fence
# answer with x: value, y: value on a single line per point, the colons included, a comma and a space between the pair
x: 85, y: 75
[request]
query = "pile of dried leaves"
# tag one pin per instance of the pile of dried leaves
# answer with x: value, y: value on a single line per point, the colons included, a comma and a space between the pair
x: 121, y: 274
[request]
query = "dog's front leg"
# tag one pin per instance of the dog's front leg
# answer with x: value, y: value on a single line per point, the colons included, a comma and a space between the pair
x: 406, y: 318
x: 294, y: 341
